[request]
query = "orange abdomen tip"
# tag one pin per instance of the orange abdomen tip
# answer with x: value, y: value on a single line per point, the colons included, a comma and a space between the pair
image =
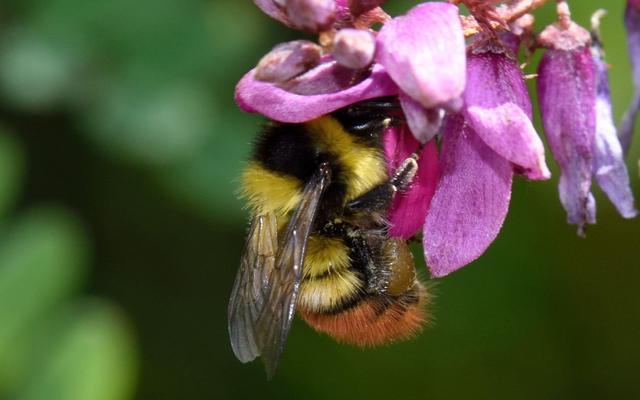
x: 375, y: 320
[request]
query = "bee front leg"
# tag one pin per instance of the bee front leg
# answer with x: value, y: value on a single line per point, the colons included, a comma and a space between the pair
x: 379, y: 198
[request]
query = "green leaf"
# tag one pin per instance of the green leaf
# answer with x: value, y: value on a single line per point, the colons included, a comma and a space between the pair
x: 92, y: 357
x: 35, y: 73
x: 43, y: 259
x: 151, y: 123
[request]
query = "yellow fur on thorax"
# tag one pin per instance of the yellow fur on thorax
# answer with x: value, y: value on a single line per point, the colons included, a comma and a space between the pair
x: 268, y: 191
x: 363, y: 165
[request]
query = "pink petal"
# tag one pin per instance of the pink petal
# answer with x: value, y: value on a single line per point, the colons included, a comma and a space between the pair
x: 424, y: 52
x: 320, y: 91
x: 567, y: 96
x: 409, y: 209
x: 424, y: 124
x: 632, y: 25
x: 471, y: 201
x: 609, y: 168
x: 498, y: 107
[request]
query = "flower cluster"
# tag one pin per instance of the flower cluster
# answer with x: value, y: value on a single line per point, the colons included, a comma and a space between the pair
x: 466, y: 104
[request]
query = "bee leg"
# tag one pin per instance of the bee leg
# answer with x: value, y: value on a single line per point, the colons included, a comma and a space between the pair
x: 404, y: 175
x: 381, y: 196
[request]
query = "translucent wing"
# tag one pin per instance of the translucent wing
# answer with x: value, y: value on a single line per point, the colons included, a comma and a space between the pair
x: 248, y: 294
x: 264, y: 297
x: 280, y: 302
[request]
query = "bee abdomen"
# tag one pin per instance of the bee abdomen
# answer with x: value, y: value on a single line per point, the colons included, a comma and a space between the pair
x: 376, y: 319
x: 329, y: 282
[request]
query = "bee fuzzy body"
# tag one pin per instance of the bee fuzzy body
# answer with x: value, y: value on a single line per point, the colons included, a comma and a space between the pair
x: 358, y: 285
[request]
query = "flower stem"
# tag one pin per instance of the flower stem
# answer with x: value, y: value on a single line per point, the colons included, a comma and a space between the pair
x: 520, y: 8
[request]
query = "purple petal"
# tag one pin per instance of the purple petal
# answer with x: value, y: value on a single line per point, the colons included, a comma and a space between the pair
x: 498, y: 107
x: 608, y: 159
x: 632, y: 23
x: 409, y: 209
x: 471, y: 201
x: 510, y: 40
x: 424, y: 52
x: 287, y: 106
x: 354, y: 48
x: 566, y: 92
x: 274, y: 9
x: 424, y: 124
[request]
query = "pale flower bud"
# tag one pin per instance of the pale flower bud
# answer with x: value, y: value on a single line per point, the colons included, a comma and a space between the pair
x: 288, y: 60
x: 354, y: 48
x: 311, y: 15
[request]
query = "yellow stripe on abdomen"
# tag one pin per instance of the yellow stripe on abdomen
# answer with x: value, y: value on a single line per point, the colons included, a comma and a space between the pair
x: 327, y: 281
x: 328, y: 292
x: 325, y: 255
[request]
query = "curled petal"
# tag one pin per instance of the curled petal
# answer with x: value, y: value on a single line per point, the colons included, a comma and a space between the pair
x: 608, y: 158
x: 632, y: 23
x: 424, y: 124
x: 470, y: 203
x: 510, y: 133
x: 409, y: 208
x: 498, y: 107
x: 424, y: 52
x: 566, y: 92
x: 325, y: 91
x: 354, y: 48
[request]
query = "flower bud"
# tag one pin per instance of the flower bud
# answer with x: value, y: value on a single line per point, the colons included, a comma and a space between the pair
x: 567, y: 96
x: 358, y: 7
x: 311, y: 15
x: 354, y: 48
x: 274, y: 9
x: 288, y: 60
x: 632, y: 24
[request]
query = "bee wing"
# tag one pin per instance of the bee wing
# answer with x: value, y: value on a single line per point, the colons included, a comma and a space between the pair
x: 264, y: 296
x: 280, y: 302
x: 248, y: 294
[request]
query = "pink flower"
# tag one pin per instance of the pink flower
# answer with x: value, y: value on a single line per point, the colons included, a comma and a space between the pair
x: 483, y: 146
x: 576, y: 113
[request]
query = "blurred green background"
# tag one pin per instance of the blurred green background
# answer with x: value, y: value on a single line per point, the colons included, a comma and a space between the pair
x: 120, y: 231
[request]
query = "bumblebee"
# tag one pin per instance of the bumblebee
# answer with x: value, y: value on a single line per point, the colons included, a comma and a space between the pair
x: 318, y: 241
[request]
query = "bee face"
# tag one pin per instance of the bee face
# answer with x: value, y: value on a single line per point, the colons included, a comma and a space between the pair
x: 318, y: 244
